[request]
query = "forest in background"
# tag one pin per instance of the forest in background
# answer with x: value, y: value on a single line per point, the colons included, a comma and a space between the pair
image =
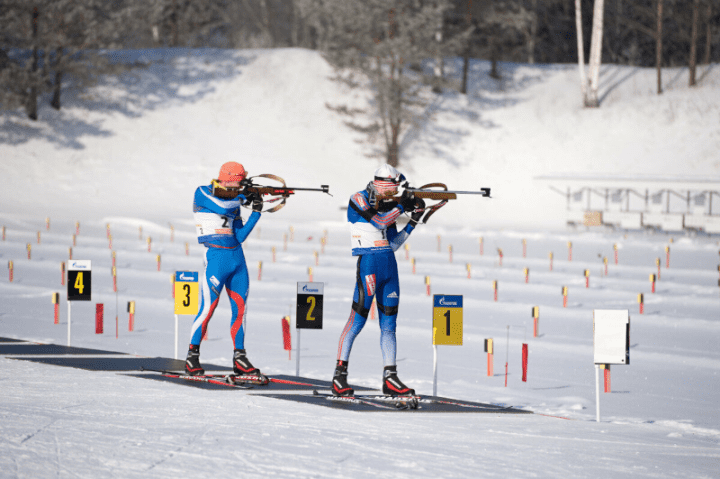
x: 47, y: 46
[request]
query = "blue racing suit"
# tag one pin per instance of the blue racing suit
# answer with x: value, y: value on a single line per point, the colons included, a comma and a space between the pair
x: 375, y: 239
x: 220, y: 228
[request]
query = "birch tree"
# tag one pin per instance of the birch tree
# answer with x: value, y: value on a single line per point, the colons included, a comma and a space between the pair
x: 589, y: 84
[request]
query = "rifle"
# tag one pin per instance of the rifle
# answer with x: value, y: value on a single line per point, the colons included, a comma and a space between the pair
x: 442, y: 194
x: 278, y: 192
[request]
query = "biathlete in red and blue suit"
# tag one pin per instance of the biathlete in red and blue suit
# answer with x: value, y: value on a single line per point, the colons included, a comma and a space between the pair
x: 221, y: 230
x: 372, y: 214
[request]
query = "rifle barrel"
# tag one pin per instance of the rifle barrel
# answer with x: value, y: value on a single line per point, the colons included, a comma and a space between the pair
x: 483, y: 191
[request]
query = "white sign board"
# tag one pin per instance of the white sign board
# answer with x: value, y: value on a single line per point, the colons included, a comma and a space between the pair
x: 611, y: 336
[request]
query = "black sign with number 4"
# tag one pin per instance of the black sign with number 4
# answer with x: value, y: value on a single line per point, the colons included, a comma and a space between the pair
x: 79, y: 280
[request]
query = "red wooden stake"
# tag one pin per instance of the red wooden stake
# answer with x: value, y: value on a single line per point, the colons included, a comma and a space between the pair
x: 569, y: 251
x: 99, y: 318
x: 56, y: 308
x: 260, y: 271
x: 287, y: 340
x: 10, y: 270
x: 667, y: 257
x: 536, y: 320
x: 524, y: 361
x: 551, y: 261
x: 490, y: 364
x: 607, y: 378
x: 482, y: 249
x: 641, y: 301
x: 427, y: 284
x: 615, y: 248
x: 131, y: 311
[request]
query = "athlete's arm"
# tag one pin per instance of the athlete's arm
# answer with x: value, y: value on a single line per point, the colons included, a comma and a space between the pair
x: 373, y: 216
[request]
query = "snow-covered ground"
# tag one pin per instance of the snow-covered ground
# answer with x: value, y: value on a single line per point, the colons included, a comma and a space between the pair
x: 133, y: 160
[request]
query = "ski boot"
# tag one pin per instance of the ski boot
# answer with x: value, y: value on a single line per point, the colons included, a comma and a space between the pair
x: 340, y: 386
x: 243, y: 368
x: 392, y: 386
x: 192, y: 363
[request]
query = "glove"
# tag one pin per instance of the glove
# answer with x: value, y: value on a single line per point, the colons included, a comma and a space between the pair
x: 407, y: 200
x: 256, y: 201
x: 418, y: 211
x: 257, y: 204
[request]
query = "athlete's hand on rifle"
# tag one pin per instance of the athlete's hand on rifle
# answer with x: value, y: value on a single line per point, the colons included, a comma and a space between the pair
x: 407, y: 200
x: 255, y: 201
x: 419, y: 209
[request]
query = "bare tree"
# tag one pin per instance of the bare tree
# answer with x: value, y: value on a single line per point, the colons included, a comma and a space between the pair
x: 380, y: 43
x: 580, y: 49
x: 659, y: 45
x: 692, y: 63
x: 591, y: 100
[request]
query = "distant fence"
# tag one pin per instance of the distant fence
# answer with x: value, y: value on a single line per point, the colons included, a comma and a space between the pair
x: 666, y: 204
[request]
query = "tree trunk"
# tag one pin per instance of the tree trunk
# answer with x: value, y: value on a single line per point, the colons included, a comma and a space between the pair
x: 438, y: 67
x: 466, y: 64
x: 658, y: 45
x: 533, y: 33
x: 591, y: 99
x: 708, y: 34
x: 580, y: 48
x: 393, y: 154
x: 32, y: 98
x: 692, y: 64
x: 174, y: 19
x: 494, y: 51
x: 55, y: 102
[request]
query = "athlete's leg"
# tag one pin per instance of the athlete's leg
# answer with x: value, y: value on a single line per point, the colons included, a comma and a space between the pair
x: 362, y: 300
x: 237, y: 288
x: 211, y: 285
x: 388, y: 299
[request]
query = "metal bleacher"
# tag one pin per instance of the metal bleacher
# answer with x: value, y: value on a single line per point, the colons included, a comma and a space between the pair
x: 637, y: 203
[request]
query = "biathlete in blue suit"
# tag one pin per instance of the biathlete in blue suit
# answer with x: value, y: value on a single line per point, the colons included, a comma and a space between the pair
x: 375, y: 238
x: 221, y: 230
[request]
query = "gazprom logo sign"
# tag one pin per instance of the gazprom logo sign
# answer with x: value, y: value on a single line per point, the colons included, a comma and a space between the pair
x: 186, y: 276
x: 310, y: 288
x: 448, y: 301
x: 79, y: 265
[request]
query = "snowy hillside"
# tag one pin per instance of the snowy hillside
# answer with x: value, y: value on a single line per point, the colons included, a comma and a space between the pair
x: 133, y: 160
x: 162, y: 131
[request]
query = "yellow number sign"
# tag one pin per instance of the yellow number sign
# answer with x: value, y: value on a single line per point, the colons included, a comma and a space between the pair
x: 448, y: 319
x: 187, y: 292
